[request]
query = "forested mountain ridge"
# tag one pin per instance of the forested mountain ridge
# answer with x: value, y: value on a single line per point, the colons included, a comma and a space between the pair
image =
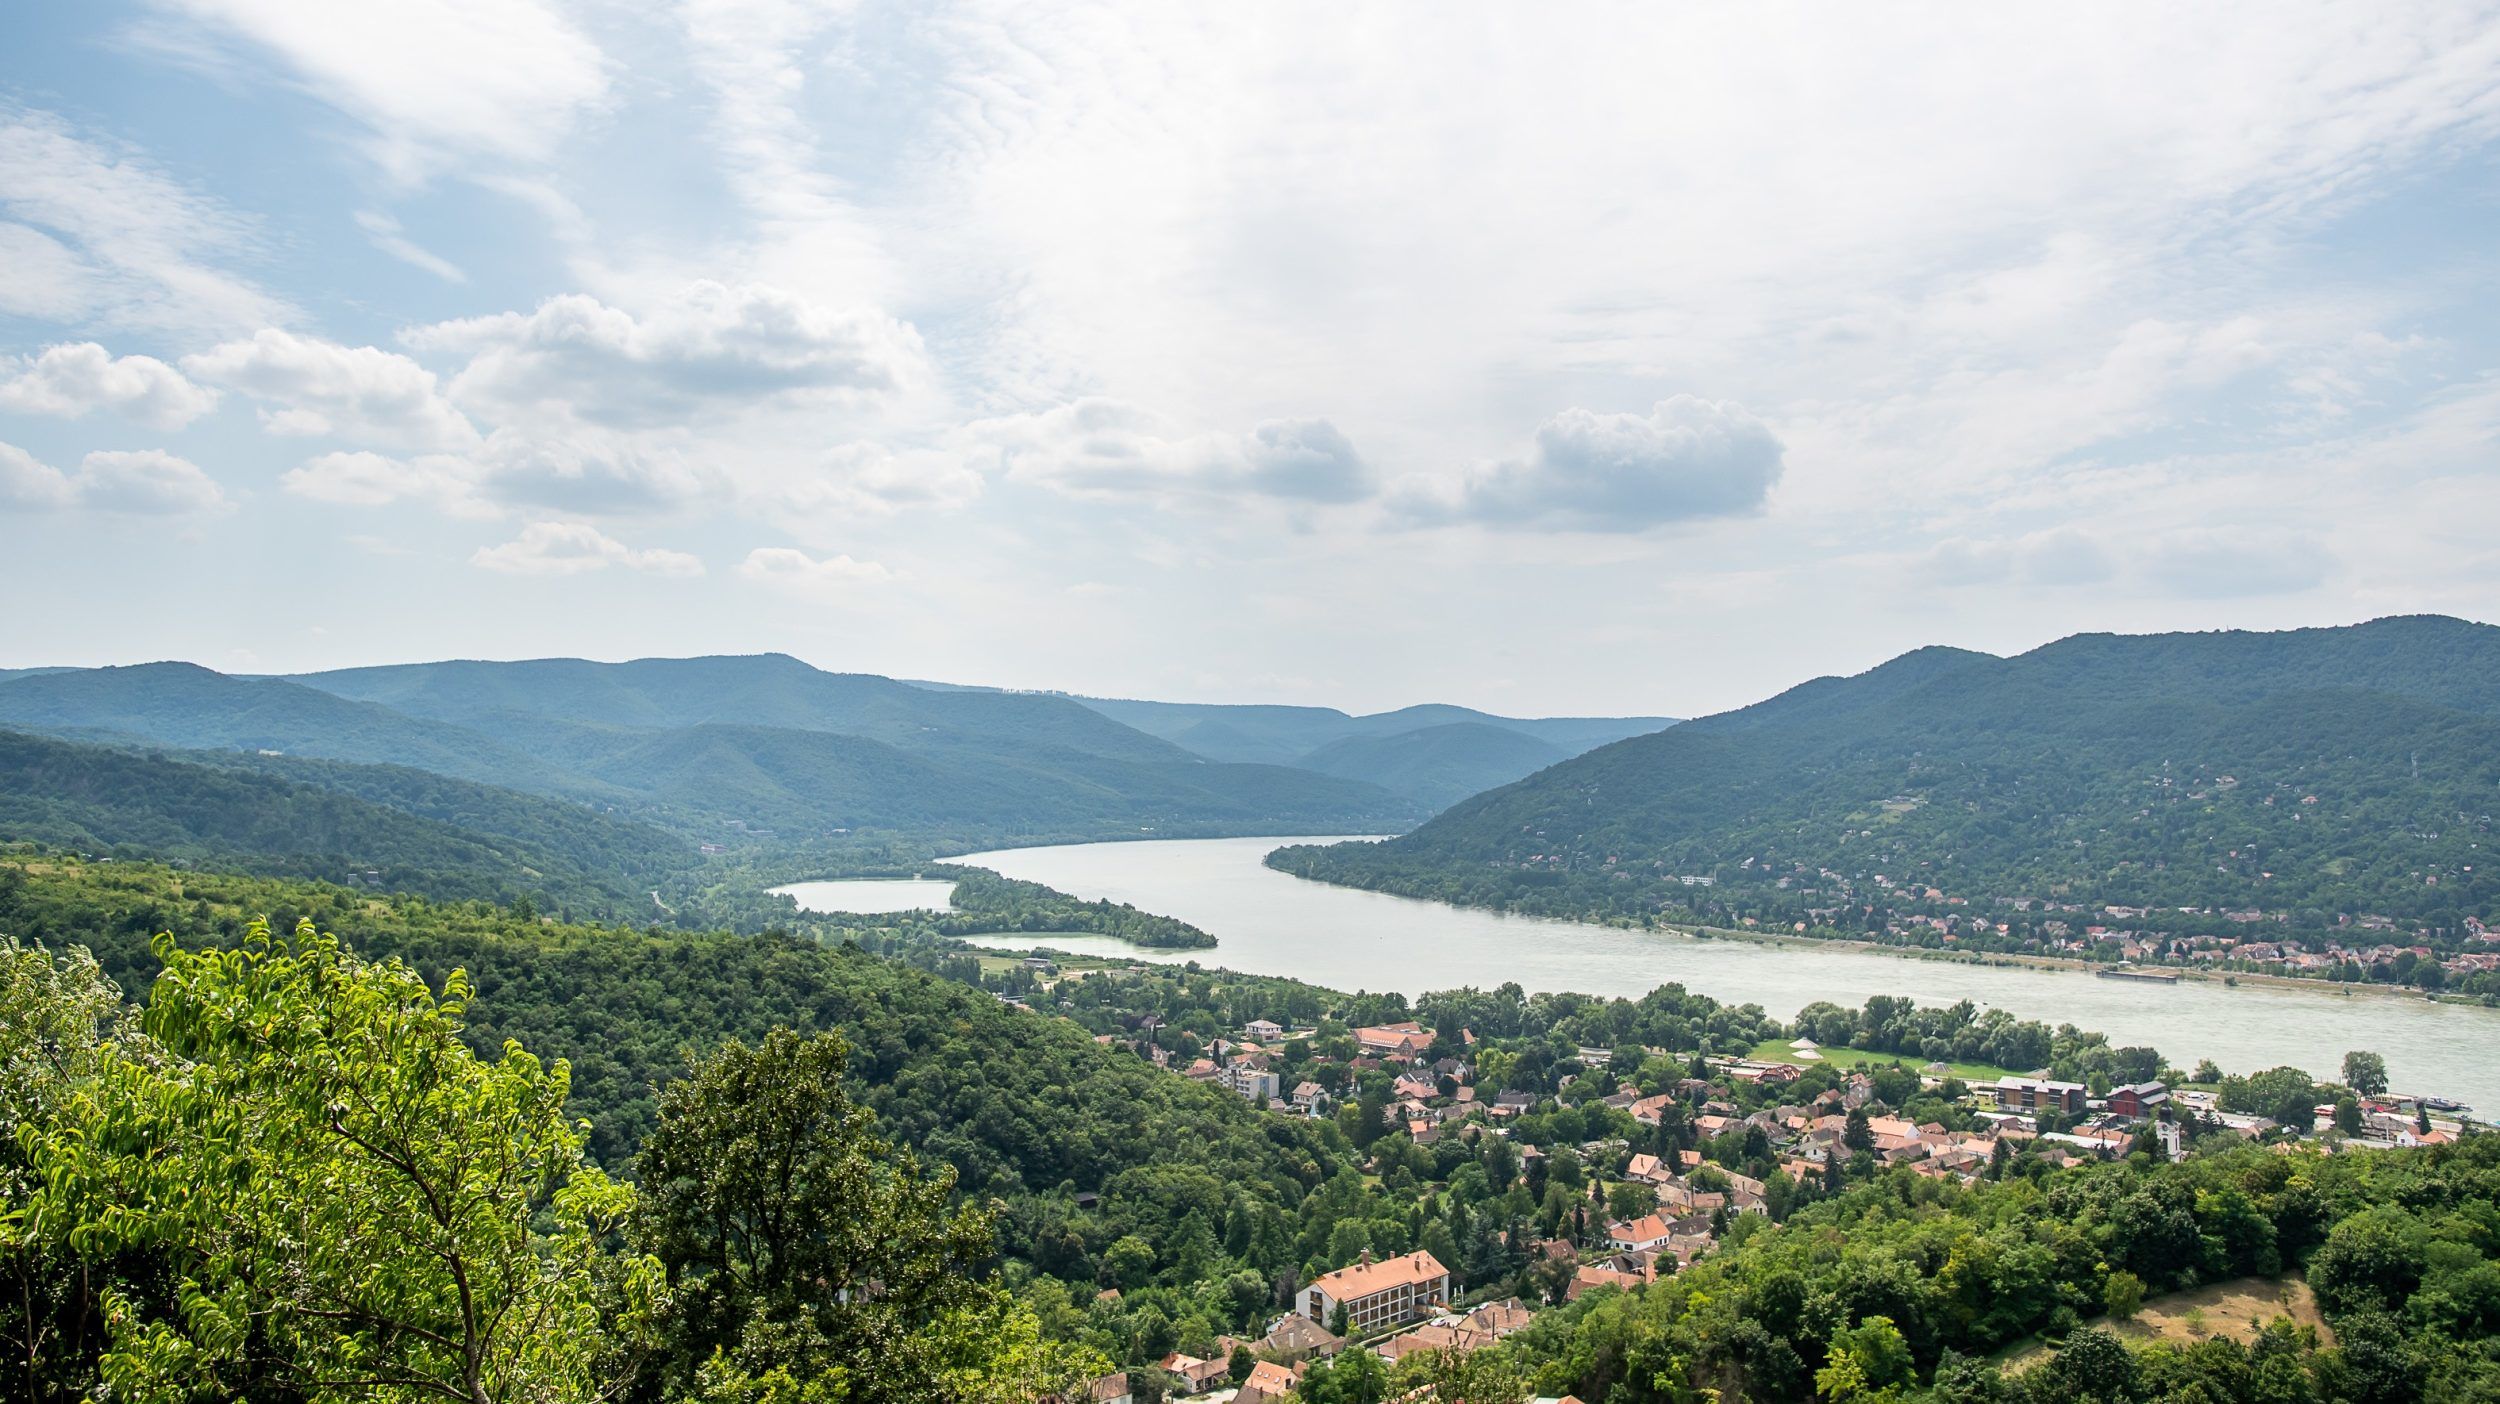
x: 195, y: 708
x: 1284, y: 735
x: 1433, y: 754
x: 2309, y: 774
x: 1439, y: 765
x: 765, y: 690
x: 816, y: 781
x: 720, y: 749
x: 387, y: 827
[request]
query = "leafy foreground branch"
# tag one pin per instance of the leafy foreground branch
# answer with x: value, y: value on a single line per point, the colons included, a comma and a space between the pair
x: 291, y: 1180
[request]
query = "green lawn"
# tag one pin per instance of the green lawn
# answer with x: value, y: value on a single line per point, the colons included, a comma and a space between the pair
x: 992, y: 962
x: 1777, y: 1051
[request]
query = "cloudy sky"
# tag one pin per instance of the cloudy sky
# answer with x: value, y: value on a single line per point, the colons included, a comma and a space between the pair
x: 1549, y: 360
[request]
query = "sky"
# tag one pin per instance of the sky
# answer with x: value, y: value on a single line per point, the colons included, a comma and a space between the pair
x: 1551, y: 360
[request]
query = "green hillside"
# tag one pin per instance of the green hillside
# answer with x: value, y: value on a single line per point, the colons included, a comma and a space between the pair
x: 766, y: 690
x: 2312, y: 774
x: 719, y: 748
x: 1284, y: 735
x: 1019, y: 1105
x: 1439, y: 765
x: 381, y: 827
x: 188, y: 706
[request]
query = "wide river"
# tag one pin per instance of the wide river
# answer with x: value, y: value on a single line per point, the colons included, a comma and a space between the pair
x: 1271, y: 924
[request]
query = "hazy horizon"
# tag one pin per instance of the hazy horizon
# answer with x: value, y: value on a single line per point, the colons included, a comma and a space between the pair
x: 1082, y: 693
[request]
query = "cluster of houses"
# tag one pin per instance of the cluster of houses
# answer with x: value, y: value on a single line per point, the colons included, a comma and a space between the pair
x: 2314, y: 958
x: 1246, y: 1066
x: 1400, y: 1305
x: 2290, y: 957
x: 2089, y: 930
x: 1697, y: 1200
x: 1422, y: 1104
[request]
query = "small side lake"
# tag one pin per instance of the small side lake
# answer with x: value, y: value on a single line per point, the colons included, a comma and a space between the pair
x: 868, y: 896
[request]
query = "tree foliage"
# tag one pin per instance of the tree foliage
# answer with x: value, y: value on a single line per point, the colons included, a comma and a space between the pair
x: 349, y: 1202
x: 798, y: 1245
x: 2311, y: 774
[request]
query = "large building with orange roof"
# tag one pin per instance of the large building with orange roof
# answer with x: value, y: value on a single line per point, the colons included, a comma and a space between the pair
x: 1376, y: 1294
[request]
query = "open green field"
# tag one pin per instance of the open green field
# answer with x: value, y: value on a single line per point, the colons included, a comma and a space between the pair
x: 992, y: 962
x: 1777, y: 1051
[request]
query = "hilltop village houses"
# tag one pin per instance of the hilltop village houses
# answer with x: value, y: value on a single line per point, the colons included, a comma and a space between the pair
x: 1673, y: 1170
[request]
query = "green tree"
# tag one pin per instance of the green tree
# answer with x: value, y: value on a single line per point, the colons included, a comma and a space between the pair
x: 2365, y: 1073
x: 1488, y: 1375
x: 1629, y: 1199
x: 1779, y: 1195
x: 2286, y: 1095
x: 2122, y: 1294
x: 1960, y: 1379
x: 799, y: 1246
x: 1129, y: 1262
x: 1877, y: 1360
x: 60, y: 1022
x: 2348, y: 1116
x: 2091, y: 1365
x: 356, y: 1205
x: 1354, y: 1377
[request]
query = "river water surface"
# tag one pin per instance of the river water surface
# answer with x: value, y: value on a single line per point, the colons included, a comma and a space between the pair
x: 1271, y: 924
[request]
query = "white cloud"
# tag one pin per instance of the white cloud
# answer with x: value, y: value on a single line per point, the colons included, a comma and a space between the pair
x: 322, y: 388
x: 596, y: 474
x: 144, y: 482
x: 799, y: 573
x: 2214, y: 563
x: 2074, y: 234
x: 868, y: 479
x: 98, y: 234
x: 2059, y: 556
x: 78, y: 378
x: 362, y: 478
x: 1687, y: 459
x: 2192, y: 564
x: 433, y: 80
x: 1105, y: 448
x: 755, y: 58
x: 575, y: 548
x: 386, y: 234
x: 29, y: 484
x: 710, y: 349
x: 1308, y: 459
x: 1096, y: 447
x: 42, y: 278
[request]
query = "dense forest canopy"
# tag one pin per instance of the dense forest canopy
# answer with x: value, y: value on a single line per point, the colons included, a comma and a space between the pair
x: 2310, y: 776
x: 393, y: 827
